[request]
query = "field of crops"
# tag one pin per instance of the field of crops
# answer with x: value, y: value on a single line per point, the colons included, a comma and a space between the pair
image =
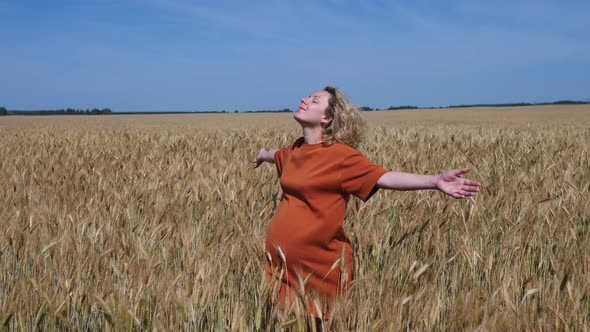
x: 158, y: 222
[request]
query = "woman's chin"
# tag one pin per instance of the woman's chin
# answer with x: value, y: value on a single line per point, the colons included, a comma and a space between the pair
x: 298, y: 116
x: 303, y: 120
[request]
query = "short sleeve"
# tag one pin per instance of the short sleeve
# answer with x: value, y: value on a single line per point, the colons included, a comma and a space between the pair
x: 360, y: 175
x: 279, y: 158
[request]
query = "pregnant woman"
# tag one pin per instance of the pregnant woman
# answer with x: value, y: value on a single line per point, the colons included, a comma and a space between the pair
x: 309, y: 255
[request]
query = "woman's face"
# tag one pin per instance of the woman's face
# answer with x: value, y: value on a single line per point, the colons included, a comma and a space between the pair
x: 312, y: 111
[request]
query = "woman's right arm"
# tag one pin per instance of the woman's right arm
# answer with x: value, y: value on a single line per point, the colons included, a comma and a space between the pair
x: 264, y: 155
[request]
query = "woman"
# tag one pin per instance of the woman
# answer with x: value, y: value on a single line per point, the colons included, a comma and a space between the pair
x: 308, y: 251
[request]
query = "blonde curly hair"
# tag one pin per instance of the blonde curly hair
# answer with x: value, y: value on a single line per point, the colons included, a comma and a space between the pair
x: 348, y: 124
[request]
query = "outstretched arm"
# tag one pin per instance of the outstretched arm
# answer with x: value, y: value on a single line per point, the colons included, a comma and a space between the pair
x: 264, y: 155
x: 450, y: 183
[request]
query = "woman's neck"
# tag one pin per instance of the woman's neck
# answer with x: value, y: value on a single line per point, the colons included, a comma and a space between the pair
x: 312, y: 135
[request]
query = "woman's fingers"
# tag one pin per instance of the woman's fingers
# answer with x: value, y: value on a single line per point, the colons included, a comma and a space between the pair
x: 460, y: 171
x: 473, y: 189
x: 471, y: 183
x: 462, y: 194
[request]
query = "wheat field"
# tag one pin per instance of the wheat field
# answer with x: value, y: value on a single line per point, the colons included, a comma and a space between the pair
x: 157, y: 222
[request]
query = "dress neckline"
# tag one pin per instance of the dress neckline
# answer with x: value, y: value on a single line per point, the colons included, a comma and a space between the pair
x: 312, y: 145
x: 300, y: 143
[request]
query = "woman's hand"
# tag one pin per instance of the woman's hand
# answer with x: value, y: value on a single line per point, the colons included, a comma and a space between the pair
x: 263, y: 155
x: 452, y: 183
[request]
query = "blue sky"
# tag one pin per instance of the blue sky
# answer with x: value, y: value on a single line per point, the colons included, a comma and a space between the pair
x: 177, y: 55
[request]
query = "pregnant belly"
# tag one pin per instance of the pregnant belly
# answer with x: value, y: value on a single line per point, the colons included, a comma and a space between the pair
x: 290, y: 239
x: 297, y: 239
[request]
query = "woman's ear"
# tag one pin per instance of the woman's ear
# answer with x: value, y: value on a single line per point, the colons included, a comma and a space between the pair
x: 326, y: 121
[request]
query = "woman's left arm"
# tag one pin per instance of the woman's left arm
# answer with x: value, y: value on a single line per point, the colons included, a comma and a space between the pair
x: 450, y: 183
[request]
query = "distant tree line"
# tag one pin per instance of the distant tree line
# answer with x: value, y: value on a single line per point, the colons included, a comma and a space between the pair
x: 404, y: 107
x: 390, y: 108
x: 284, y: 110
x: 408, y: 107
x: 72, y: 111
x: 559, y: 102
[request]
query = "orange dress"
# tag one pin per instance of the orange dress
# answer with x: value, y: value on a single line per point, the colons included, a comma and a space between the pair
x: 305, y: 240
